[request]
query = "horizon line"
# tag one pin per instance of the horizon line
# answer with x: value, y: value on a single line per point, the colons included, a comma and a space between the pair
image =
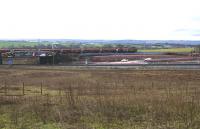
x: 98, y: 39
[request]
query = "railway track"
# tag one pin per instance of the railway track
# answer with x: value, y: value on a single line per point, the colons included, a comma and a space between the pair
x: 125, y: 66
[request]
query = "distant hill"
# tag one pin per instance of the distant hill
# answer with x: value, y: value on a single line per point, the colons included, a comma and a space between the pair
x: 192, y: 42
x: 73, y: 43
x: 186, y: 42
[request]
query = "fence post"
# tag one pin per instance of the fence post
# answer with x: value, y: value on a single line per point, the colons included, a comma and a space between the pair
x: 41, y: 88
x: 5, y: 88
x: 60, y: 95
x: 152, y: 85
x: 23, y: 91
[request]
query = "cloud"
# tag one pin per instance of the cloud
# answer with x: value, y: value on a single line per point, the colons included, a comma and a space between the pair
x: 196, y: 35
x: 187, y: 33
x: 99, y: 19
x: 196, y: 18
x: 182, y: 30
x: 187, y: 30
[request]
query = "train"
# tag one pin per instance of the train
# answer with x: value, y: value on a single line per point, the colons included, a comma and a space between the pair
x: 37, y: 52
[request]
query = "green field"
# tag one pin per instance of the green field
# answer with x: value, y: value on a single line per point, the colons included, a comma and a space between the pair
x: 46, y: 44
x: 173, y: 50
x: 13, y: 44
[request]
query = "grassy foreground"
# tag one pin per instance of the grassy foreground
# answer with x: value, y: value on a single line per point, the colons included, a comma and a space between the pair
x: 99, y: 99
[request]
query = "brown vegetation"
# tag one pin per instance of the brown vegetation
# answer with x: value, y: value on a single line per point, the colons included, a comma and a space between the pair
x: 100, y: 99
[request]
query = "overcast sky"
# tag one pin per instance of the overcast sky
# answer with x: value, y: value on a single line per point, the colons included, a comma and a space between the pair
x: 100, y: 19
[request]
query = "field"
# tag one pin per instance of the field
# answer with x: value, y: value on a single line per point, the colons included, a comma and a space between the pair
x: 44, y: 98
x: 13, y: 44
x: 173, y: 50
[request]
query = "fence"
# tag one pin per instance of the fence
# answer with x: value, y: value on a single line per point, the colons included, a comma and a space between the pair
x: 13, y: 90
x: 26, y: 93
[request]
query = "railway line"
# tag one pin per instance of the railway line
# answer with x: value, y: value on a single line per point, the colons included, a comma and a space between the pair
x: 104, y: 66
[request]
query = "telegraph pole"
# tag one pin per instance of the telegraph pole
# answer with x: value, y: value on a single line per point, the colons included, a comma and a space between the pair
x: 52, y: 47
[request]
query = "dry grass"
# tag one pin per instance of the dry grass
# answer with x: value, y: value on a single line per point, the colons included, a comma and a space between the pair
x: 101, y: 99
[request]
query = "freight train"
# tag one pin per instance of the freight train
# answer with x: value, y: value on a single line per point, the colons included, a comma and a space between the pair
x: 37, y: 52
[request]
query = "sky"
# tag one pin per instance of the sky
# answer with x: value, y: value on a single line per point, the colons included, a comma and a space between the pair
x: 100, y: 19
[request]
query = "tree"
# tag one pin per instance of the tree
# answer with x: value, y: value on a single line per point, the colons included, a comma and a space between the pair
x: 197, y: 49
